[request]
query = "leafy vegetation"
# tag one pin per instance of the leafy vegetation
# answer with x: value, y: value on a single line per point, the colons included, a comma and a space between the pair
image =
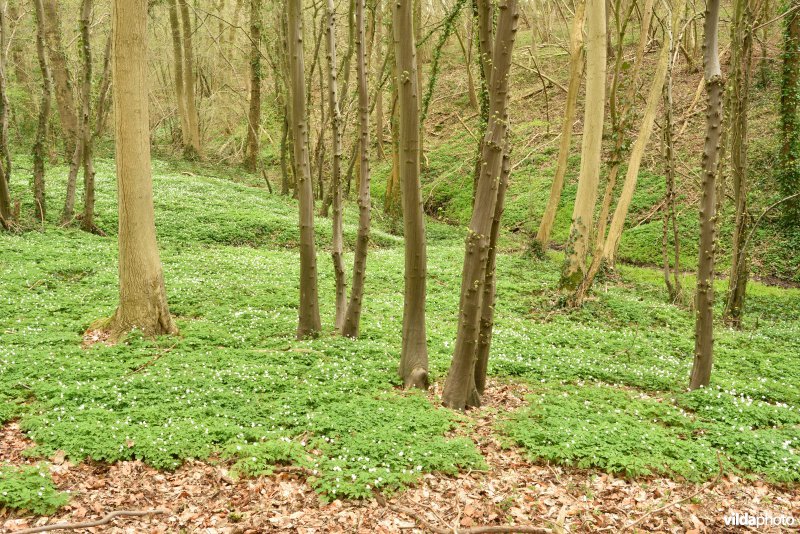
x: 29, y: 489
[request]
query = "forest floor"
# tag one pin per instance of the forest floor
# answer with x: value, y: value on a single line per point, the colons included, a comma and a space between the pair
x: 235, y: 426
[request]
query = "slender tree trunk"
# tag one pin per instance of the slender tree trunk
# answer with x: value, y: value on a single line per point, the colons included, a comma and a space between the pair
x: 177, y: 56
x: 575, y: 71
x: 704, y: 300
x: 379, y: 118
x: 87, y: 222
x: 740, y: 74
x: 586, y: 197
x: 414, y: 354
x: 65, y: 98
x: 5, y: 104
x: 142, y: 297
x: 254, y: 116
x: 44, y: 115
x: 192, y: 117
x: 336, y: 164
x: 460, y: 389
x: 309, y: 321
x: 790, y: 126
x: 673, y: 286
x: 353, y: 318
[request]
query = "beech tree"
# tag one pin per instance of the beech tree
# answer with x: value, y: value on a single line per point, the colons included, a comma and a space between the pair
x: 254, y: 115
x: 789, y: 175
x: 192, y: 118
x: 65, y: 97
x: 43, y: 122
x: 704, y: 299
x: 468, y: 371
x: 142, y: 296
x: 414, y: 353
x: 309, y: 321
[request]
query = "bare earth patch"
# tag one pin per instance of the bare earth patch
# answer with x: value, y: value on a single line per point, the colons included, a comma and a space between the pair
x: 201, y: 497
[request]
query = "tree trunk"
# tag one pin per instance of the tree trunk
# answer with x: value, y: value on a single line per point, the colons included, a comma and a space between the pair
x: 414, y: 354
x: 65, y: 98
x: 575, y: 71
x: 192, y: 117
x: 586, y: 197
x: 336, y: 172
x: 740, y: 73
x: 5, y: 194
x: 5, y: 104
x: 790, y: 127
x: 353, y: 318
x: 254, y: 116
x: 309, y: 322
x: 460, y: 389
x: 142, y: 297
x: 87, y: 222
x: 379, y: 118
x: 177, y: 57
x: 44, y: 115
x: 704, y: 300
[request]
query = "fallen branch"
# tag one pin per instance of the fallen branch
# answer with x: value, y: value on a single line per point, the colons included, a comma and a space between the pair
x: 153, y: 360
x: 501, y: 529
x: 89, y: 524
x: 679, y: 501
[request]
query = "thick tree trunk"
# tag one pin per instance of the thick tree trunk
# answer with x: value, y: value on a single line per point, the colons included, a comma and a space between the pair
x: 790, y: 127
x: 336, y: 169
x: 704, y: 300
x: 414, y: 353
x: 40, y: 208
x: 177, y: 58
x: 65, y: 98
x: 142, y: 297
x: 254, y: 115
x: 575, y: 75
x: 740, y: 73
x: 586, y: 197
x: 309, y: 321
x: 192, y: 117
x: 353, y: 318
x: 460, y: 389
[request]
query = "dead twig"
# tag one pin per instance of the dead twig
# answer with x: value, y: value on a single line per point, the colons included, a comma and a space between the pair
x: 107, y: 519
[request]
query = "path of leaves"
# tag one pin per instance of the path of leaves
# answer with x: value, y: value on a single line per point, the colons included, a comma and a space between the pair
x: 201, y: 497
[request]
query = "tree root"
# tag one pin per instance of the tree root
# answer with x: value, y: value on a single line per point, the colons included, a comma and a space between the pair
x: 500, y: 529
x: 104, y: 521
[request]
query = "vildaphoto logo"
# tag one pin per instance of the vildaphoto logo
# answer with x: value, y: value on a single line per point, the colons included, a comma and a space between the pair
x: 747, y: 520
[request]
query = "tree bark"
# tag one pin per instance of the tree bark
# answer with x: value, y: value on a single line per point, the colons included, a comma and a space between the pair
x: 575, y: 72
x: 740, y: 74
x: 379, y: 118
x: 309, y: 321
x: 65, y: 98
x: 87, y: 221
x: 177, y: 57
x: 704, y: 299
x: 414, y: 353
x: 192, y: 117
x: 586, y: 196
x: 142, y: 297
x: 40, y: 209
x: 460, y: 389
x: 790, y: 127
x: 336, y: 170
x: 254, y: 115
x: 353, y: 318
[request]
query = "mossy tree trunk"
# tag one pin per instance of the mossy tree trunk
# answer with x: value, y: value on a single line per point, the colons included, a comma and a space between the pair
x: 142, y: 297
x: 254, y: 114
x: 42, y: 127
x: 192, y: 116
x: 789, y: 104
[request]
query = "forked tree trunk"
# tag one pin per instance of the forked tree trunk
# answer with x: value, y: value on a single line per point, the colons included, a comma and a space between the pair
x: 704, y: 300
x: 575, y: 74
x: 586, y: 197
x: 40, y: 209
x: 460, y: 389
x: 65, y: 98
x: 177, y: 58
x: 254, y: 115
x: 309, y: 322
x: 414, y: 353
x: 192, y: 117
x: 740, y: 73
x: 142, y: 297
x: 353, y: 317
x: 336, y: 172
